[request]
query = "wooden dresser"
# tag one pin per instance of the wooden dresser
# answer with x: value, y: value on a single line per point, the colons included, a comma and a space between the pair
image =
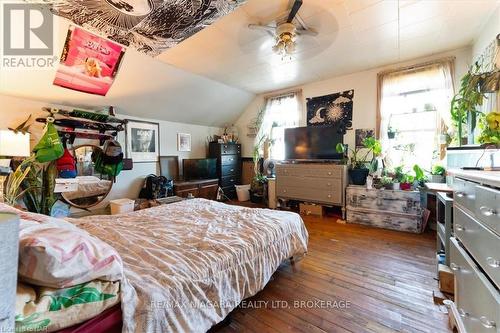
x: 388, y: 209
x: 228, y: 165
x: 322, y: 183
x: 475, y: 251
x: 204, y: 188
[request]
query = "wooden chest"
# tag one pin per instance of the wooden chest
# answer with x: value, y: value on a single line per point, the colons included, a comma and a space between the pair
x: 396, y: 210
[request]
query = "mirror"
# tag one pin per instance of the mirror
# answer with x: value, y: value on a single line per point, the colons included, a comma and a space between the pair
x: 92, y: 187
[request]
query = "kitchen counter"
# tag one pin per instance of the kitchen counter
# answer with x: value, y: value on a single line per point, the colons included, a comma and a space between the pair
x: 491, y: 178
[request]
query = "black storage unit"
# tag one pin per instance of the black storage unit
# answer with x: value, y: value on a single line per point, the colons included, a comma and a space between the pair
x: 228, y: 165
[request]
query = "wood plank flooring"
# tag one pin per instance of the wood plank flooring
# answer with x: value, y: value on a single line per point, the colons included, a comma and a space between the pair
x: 370, y: 280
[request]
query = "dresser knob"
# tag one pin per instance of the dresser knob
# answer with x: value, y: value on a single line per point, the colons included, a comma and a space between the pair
x: 454, y: 267
x: 492, y: 262
x: 329, y: 195
x: 460, y: 194
x: 329, y: 173
x: 486, y: 211
x: 463, y: 313
x: 487, y: 323
x: 231, y: 170
x: 459, y: 227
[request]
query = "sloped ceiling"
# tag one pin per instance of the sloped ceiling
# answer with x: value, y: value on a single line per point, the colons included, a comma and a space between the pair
x: 144, y: 87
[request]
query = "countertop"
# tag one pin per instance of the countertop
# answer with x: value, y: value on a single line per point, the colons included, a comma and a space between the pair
x: 491, y: 178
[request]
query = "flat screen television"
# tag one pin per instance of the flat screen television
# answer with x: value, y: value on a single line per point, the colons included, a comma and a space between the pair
x: 199, y: 168
x: 312, y: 143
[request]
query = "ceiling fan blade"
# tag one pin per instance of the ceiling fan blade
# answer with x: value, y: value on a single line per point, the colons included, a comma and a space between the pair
x: 307, y: 32
x: 295, y: 9
x: 262, y: 27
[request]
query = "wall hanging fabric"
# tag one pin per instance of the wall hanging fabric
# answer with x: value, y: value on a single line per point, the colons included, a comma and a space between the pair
x: 89, y: 63
x: 150, y: 26
x: 331, y: 110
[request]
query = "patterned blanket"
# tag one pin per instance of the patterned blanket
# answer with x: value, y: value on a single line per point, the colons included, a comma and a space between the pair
x: 188, y: 264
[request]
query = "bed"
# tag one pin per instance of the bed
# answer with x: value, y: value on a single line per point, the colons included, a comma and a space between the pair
x: 188, y: 264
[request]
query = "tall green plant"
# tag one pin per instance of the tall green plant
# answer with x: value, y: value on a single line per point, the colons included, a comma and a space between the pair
x: 39, y: 184
x: 13, y: 189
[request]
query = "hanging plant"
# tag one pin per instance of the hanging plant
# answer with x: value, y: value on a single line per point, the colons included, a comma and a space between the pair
x: 490, y: 128
x: 467, y: 100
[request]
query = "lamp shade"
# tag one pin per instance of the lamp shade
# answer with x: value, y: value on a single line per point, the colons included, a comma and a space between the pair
x: 14, y: 144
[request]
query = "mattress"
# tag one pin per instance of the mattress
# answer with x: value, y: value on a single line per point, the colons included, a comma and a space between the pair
x: 188, y: 264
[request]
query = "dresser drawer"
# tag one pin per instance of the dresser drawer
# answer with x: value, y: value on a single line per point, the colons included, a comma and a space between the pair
x: 465, y: 193
x: 309, y: 182
x: 478, y: 302
x: 230, y: 149
x: 230, y: 169
x: 480, y: 242
x: 488, y: 207
x: 315, y: 195
x: 228, y: 181
x: 229, y: 160
x: 310, y: 170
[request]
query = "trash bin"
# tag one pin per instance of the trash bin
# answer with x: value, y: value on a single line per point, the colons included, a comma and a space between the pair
x: 243, y: 192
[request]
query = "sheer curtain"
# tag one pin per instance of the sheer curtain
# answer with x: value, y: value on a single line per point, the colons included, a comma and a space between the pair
x: 280, y: 112
x: 415, y: 104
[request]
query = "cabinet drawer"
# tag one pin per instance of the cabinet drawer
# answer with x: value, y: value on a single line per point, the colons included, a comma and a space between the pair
x: 310, y: 182
x: 465, y: 193
x: 229, y: 159
x: 228, y: 149
x: 230, y: 169
x: 480, y: 242
x: 488, y: 207
x: 314, y: 195
x: 228, y: 181
x: 478, y: 302
x: 310, y: 170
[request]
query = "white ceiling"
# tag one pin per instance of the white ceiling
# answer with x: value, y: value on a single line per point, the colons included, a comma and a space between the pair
x: 144, y: 87
x: 353, y: 35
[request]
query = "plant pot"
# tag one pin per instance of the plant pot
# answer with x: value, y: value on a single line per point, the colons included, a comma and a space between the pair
x: 391, y: 135
x: 396, y: 186
x: 437, y: 179
x: 256, y: 197
x: 388, y: 186
x: 405, y: 186
x: 358, y: 176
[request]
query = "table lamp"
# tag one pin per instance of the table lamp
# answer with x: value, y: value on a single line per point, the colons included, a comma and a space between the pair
x: 11, y: 145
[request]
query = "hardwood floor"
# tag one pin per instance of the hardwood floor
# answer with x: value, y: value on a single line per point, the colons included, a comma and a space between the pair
x: 386, y: 278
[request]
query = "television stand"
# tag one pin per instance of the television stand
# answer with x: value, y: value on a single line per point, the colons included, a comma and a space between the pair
x: 322, y: 183
x: 201, y: 188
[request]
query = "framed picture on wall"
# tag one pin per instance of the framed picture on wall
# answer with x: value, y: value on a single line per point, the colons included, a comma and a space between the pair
x: 183, y: 142
x: 142, y: 140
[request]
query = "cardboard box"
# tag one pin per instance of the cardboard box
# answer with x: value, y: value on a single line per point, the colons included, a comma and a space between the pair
x: 446, y: 279
x: 311, y: 209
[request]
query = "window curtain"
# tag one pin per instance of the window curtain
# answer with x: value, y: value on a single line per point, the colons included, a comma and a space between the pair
x: 399, y: 92
x: 280, y: 112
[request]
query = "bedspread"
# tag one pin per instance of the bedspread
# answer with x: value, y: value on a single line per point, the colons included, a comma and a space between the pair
x: 188, y: 264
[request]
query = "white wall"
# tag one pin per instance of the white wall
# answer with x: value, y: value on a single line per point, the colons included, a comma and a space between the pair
x: 14, y: 110
x: 488, y: 33
x: 365, y: 95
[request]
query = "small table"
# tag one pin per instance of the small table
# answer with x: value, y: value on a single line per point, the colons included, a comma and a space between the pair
x: 429, y: 198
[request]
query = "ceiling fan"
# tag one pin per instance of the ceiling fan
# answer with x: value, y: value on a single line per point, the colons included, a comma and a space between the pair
x: 285, y: 32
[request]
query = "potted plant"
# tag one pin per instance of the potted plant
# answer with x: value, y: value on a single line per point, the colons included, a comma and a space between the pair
x: 407, y: 182
x: 259, y: 179
x: 358, y: 167
x: 490, y: 128
x: 437, y: 174
x: 391, y: 132
x: 464, y: 103
x: 399, y: 176
x: 420, y: 177
x: 387, y: 182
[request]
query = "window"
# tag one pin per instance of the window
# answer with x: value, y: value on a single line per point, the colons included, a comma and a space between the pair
x: 281, y: 112
x: 413, y: 112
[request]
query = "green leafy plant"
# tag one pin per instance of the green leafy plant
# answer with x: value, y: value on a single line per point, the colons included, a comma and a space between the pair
x: 490, y: 128
x: 38, y: 187
x: 438, y: 170
x: 370, y: 146
x: 466, y: 101
x: 13, y: 188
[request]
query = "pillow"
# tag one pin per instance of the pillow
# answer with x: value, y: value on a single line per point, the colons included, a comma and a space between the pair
x: 58, y: 254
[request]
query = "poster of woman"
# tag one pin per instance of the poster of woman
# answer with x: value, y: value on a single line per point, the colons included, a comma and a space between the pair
x: 89, y: 63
